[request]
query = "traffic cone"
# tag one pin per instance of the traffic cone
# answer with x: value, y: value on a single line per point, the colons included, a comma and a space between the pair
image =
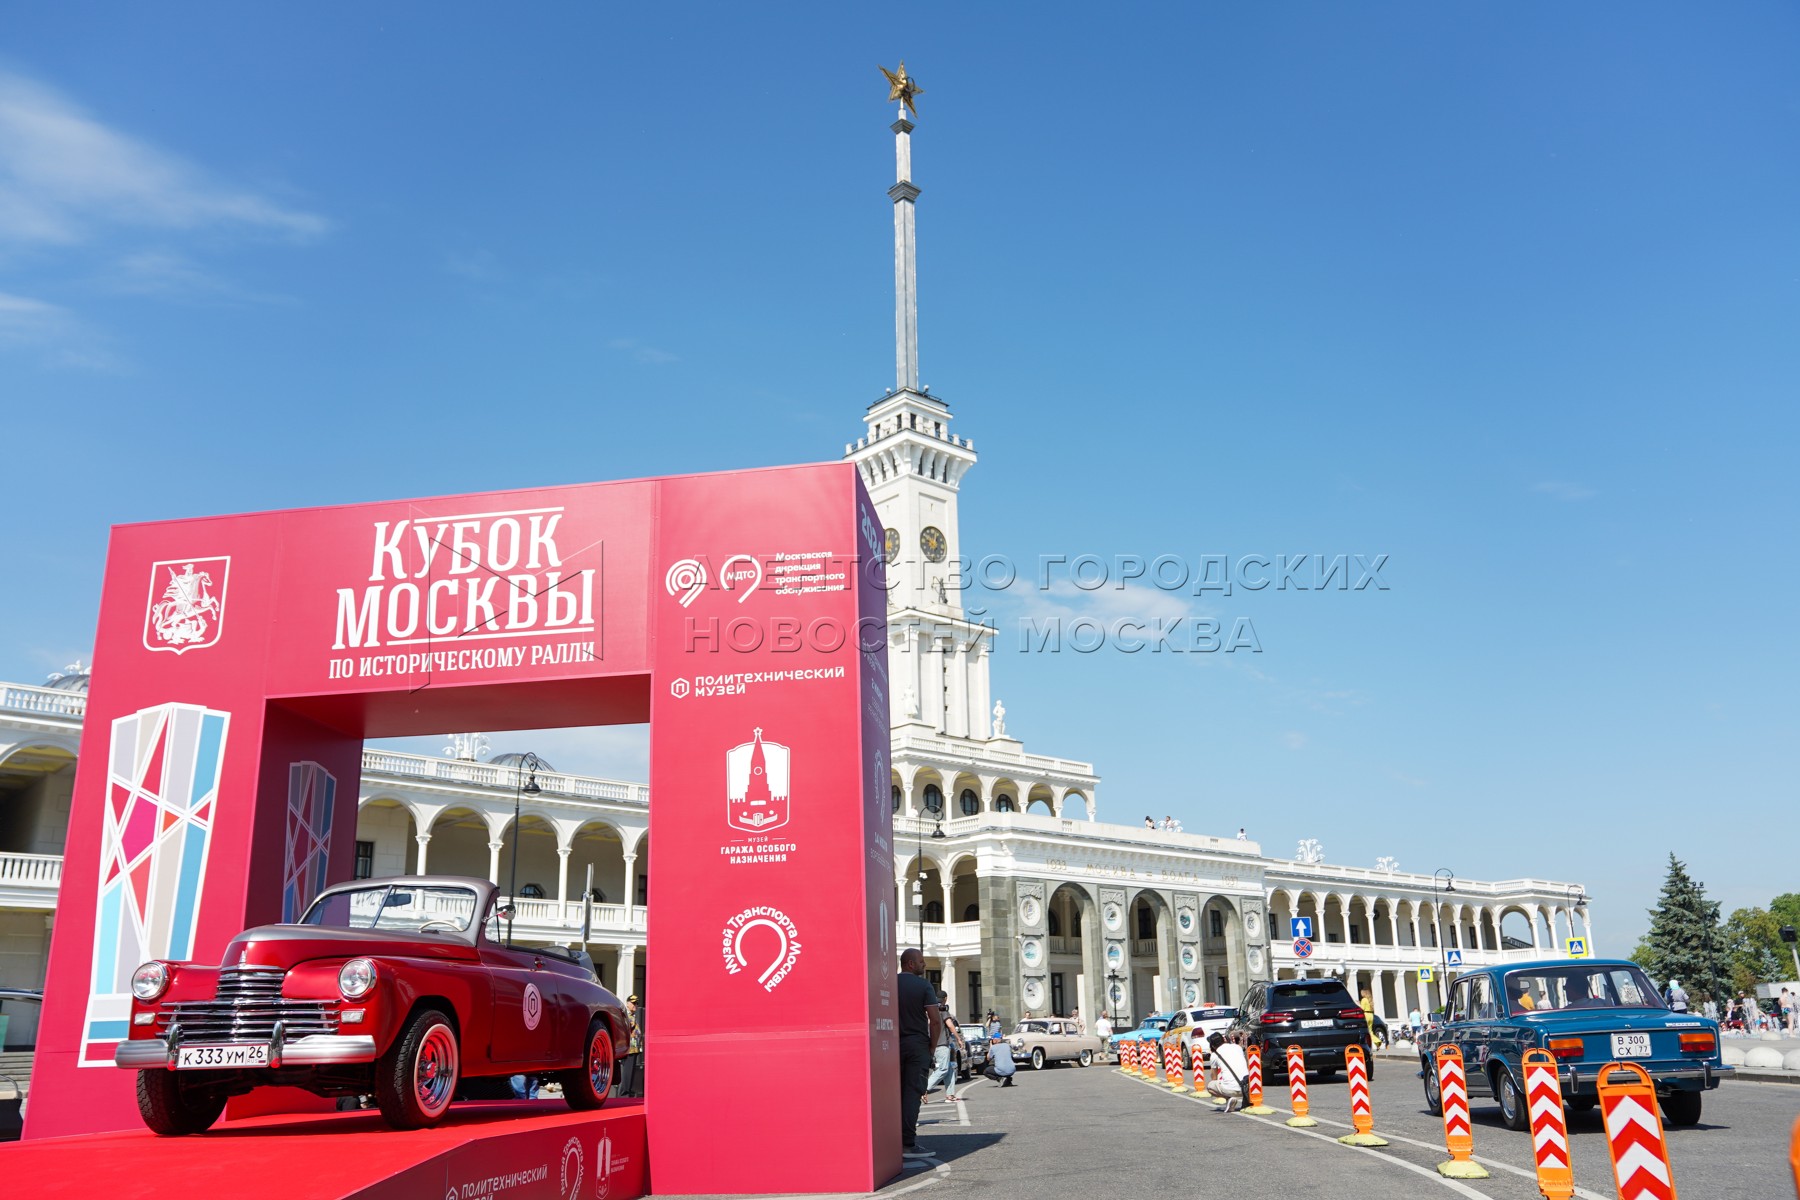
x: 1296, y: 1064
x: 1253, y: 1094
x: 1172, y: 1065
x: 1362, y: 1109
x: 1459, y: 1135
x: 1634, y: 1133
x: 1549, y: 1126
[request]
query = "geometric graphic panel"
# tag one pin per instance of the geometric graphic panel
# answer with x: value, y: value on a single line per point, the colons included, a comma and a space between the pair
x: 162, y: 781
x: 312, y: 791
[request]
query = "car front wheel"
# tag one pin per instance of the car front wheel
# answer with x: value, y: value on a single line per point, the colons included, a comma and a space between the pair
x: 1434, y: 1100
x: 416, y: 1078
x: 1087, y: 1058
x: 1681, y: 1108
x: 1038, y: 1059
x: 589, y: 1085
x: 173, y: 1105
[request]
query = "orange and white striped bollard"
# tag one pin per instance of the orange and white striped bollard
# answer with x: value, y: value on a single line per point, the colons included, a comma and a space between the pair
x: 1253, y: 1079
x: 1459, y: 1135
x: 1549, y: 1126
x: 1296, y: 1070
x: 1362, y: 1108
x: 1172, y: 1065
x: 1634, y: 1133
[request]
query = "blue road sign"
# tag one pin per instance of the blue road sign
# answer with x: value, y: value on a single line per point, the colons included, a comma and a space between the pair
x: 1302, y: 948
x: 1300, y: 927
x: 1453, y: 958
x: 1577, y: 947
x: 1425, y: 975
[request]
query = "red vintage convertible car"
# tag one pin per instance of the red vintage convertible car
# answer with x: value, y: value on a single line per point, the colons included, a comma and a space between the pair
x: 396, y: 987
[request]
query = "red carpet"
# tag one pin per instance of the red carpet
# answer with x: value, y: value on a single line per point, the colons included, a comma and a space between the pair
x: 519, y: 1150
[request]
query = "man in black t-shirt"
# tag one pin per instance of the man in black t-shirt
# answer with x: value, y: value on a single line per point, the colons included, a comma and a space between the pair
x: 920, y: 1023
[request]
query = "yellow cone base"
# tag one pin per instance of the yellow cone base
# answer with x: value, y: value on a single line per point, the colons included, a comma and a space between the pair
x: 1462, y: 1168
x: 1209, y: 1097
x: 1362, y: 1139
x: 1259, y: 1110
x: 1301, y: 1122
x: 1178, y: 1088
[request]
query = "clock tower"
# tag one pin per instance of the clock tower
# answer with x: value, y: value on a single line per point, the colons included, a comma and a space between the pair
x: 913, y: 466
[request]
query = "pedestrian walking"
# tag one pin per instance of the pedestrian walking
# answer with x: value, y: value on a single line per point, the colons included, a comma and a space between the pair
x: 920, y: 1026
x: 1787, y: 1010
x: 946, y: 1054
x: 631, y: 1070
x: 1103, y: 1027
x: 1676, y: 998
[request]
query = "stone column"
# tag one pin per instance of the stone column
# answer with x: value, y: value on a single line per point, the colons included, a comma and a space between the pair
x: 1415, y: 925
x: 562, y: 880
x: 424, y: 840
x: 1587, y: 931
x: 630, y: 888
x: 956, y: 689
x: 932, y: 661
x: 949, y: 984
x: 981, y: 704
x: 627, y: 980
x: 494, y: 861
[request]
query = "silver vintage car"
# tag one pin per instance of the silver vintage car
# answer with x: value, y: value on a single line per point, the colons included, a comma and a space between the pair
x: 1044, y: 1040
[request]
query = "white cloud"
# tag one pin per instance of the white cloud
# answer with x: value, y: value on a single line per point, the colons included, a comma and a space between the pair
x: 1293, y: 739
x: 24, y: 320
x: 174, y: 276
x: 1560, y: 490
x: 648, y: 355
x: 64, y: 176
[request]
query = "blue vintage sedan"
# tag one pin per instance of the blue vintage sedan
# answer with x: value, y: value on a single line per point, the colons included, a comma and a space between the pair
x: 1150, y: 1031
x: 1586, y: 1013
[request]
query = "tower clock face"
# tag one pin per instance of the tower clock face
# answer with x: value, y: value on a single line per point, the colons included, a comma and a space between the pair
x: 933, y: 543
x: 892, y: 548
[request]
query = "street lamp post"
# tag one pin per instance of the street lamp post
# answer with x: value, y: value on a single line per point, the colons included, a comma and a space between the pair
x: 1443, y: 881
x: 527, y: 785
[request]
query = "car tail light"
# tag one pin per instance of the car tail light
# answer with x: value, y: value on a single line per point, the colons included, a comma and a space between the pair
x: 1698, y: 1043
x: 1566, y: 1047
x: 1277, y: 1018
x: 1350, y: 1014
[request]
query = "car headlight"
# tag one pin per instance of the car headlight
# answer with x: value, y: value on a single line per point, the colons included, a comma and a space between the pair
x: 356, y: 978
x: 149, y: 981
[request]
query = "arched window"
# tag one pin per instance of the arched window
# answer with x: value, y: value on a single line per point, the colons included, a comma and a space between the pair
x: 531, y: 891
x: 934, y: 911
x: 972, y: 913
x: 934, y: 798
x: 1146, y: 921
x: 1004, y: 804
x: 896, y: 797
x: 1217, y: 922
x: 971, y: 803
x: 1055, y: 924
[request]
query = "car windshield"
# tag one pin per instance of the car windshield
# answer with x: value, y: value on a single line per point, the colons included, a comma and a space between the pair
x: 398, y: 907
x: 1157, y: 1023
x: 1554, y: 988
x: 1319, y: 993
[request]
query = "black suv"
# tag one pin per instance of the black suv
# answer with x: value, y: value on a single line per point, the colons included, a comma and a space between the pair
x: 1318, y: 1015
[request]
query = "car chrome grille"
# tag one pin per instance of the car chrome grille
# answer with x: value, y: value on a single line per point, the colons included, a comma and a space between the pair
x: 247, y: 1006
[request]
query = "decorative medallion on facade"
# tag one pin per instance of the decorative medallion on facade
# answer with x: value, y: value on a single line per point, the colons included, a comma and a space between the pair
x: 1030, y: 910
x: 1189, y: 959
x: 1031, y: 951
x: 1115, y: 955
x: 1253, y: 923
x: 186, y: 607
x: 756, y: 785
x: 1034, y: 993
x: 1114, y: 915
x: 162, y: 789
x: 1186, y: 919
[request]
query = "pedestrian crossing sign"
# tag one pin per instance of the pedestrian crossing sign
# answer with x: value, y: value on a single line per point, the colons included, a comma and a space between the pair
x: 1578, y: 947
x: 1453, y: 957
x: 1426, y: 975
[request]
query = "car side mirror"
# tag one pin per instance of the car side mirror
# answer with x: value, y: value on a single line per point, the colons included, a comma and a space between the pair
x: 504, y: 912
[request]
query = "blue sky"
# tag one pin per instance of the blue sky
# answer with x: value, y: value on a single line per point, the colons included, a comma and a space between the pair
x: 1506, y: 294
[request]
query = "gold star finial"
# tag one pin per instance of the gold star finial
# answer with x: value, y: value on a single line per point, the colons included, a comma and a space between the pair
x: 902, y: 87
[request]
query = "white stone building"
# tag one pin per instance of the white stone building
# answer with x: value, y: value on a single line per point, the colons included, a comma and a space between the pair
x: 1023, y: 899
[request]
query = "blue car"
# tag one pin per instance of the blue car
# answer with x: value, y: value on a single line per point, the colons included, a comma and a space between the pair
x: 1150, y: 1031
x: 1586, y: 1013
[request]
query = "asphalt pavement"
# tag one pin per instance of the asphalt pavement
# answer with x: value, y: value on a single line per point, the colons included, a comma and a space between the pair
x: 1096, y: 1134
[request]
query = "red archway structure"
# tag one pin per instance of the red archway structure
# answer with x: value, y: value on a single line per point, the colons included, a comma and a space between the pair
x: 243, y: 659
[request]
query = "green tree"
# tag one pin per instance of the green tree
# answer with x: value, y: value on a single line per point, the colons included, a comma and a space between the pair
x: 1753, y: 942
x: 1685, y: 941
